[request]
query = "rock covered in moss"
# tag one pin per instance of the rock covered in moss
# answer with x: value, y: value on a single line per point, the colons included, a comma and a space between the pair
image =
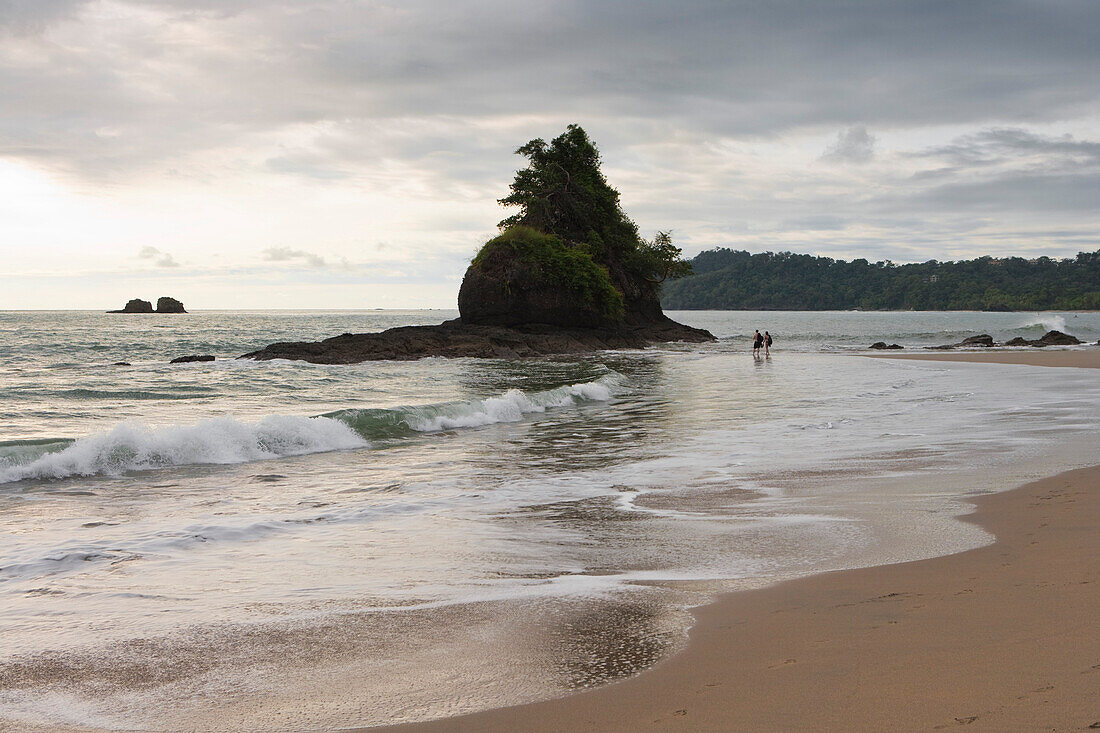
x: 525, y: 276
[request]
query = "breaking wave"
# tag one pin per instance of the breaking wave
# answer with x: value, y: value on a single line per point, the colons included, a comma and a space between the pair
x: 136, y: 447
x: 1045, y: 322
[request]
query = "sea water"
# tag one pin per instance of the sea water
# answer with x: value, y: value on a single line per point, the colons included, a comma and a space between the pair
x: 237, y: 545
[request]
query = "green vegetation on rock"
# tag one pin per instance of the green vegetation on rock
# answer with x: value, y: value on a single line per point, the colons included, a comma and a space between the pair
x: 574, y: 235
x: 551, y: 263
x: 735, y: 280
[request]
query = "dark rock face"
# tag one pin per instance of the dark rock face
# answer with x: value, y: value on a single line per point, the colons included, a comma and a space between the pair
x: 136, y: 306
x: 458, y: 339
x: 882, y: 345
x: 191, y: 358
x: 169, y: 305
x: 984, y: 340
x: 526, y: 276
x: 505, y: 291
x: 1057, y: 338
x: 1050, y: 338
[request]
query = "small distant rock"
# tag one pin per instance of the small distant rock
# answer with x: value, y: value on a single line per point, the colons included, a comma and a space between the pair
x: 122, y: 363
x: 191, y: 358
x: 169, y: 305
x: 882, y: 345
x: 137, y: 305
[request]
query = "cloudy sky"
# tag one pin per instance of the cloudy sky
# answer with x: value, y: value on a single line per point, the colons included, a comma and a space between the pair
x: 349, y: 153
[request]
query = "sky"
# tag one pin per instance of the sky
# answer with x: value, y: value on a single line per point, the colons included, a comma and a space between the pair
x: 350, y: 154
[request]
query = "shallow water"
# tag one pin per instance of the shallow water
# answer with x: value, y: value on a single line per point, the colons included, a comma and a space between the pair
x: 172, y: 535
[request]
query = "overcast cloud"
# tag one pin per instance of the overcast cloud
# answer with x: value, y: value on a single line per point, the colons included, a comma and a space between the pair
x: 901, y: 130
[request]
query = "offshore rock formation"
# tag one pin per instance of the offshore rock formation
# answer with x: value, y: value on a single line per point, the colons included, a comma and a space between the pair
x: 136, y: 306
x: 164, y: 305
x: 569, y: 273
x: 169, y: 305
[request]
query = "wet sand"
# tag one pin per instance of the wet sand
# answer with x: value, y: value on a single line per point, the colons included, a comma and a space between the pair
x: 1001, y: 638
x: 1034, y: 357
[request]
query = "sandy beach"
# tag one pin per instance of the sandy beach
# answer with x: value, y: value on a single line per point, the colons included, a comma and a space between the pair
x: 1000, y: 638
x: 1032, y: 357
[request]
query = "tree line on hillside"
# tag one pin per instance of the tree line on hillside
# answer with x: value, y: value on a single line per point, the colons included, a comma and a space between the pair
x: 727, y: 279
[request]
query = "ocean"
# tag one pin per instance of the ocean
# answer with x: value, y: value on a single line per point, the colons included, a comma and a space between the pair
x: 238, y: 545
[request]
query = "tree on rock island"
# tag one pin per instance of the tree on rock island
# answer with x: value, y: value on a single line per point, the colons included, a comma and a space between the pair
x: 569, y: 256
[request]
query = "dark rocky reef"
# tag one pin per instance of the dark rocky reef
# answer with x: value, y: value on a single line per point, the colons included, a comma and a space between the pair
x: 191, y: 358
x: 459, y: 339
x: 164, y: 305
x: 984, y: 341
x: 1050, y: 338
x: 136, y: 305
x: 882, y: 345
x: 169, y: 305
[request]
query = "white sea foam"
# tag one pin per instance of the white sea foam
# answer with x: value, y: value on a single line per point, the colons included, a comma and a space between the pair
x: 1048, y: 321
x: 135, y: 447
x: 509, y: 407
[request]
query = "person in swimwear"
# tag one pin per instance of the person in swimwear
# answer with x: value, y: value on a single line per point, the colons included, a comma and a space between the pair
x: 757, y: 342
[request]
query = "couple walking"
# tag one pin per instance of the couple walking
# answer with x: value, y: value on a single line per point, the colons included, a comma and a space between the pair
x: 758, y: 341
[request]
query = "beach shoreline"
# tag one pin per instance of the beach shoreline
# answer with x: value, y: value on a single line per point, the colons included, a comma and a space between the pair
x: 996, y: 638
x: 1077, y: 358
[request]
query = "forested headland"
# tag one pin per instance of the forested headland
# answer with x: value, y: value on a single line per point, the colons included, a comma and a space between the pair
x: 727, y: 279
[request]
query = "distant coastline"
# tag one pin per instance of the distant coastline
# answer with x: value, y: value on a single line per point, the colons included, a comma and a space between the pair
x: 736, y: 280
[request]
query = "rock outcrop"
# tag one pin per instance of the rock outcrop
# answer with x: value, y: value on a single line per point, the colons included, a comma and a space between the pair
x: 524, y: 276
x: 1050, y: 338
x: 169, y: 305
x: 136, y: 305
x: 984, y: 340
x: 458, y: 339
x: 191, y: 358
x: 164, y: 305
x: 568, y: 273
x: 882, y: 345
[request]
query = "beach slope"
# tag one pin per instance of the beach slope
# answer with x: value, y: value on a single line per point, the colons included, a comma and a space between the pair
x: 1001, y: 638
